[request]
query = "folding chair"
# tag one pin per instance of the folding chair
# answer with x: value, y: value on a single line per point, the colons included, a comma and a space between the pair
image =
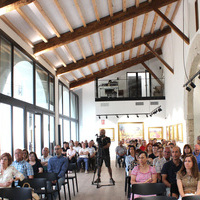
x: 192, y: 197
x: 157, y: 198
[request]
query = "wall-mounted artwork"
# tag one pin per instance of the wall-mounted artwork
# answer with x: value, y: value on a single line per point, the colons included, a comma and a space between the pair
x: 180, y: 132
x: 167, y: 132
x: 171, y: 132
x: 130, y: 130
x: 110, y: 132
x: 155, y: 132
x: 175, y: 132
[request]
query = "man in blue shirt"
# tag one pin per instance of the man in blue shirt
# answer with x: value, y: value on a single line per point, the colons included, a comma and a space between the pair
x: 196, y: 153
x: 58, y: 164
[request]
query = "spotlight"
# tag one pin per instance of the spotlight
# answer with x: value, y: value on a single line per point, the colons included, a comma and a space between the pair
x: 188, y: 89
x: 127, y: 116
x: 117, y: 116
x: 99, y: 117
x: 106, y: 117
x: 138, y: 116
x: 150, y: 115
x: 154, y: 112
x: 192, y: 85
x: 199, y: 76
x: 146, y: 115
x: 159, y: 109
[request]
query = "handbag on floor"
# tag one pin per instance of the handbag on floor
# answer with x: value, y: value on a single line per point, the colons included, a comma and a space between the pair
x: 34, y: 195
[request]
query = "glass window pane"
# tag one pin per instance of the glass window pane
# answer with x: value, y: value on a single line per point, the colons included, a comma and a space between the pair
x: 5, y: 67
x: 38, y: 138
x: 73, y: 131
x: 18, y: 128
x: 42, y: 97
x: 65, y: 101
x: 66, y: 131
x: 60, y: 99
x: 5, y: 124
x: 46, y: 131
x: 73, y: 106
x: 51, y: 86
x: 30, y: 132
x: 23, y: 77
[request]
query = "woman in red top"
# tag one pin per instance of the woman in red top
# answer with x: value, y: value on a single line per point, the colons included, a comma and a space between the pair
x: 144, y: 145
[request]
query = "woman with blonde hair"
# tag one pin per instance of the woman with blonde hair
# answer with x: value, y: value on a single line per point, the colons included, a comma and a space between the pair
x: 188, y: 177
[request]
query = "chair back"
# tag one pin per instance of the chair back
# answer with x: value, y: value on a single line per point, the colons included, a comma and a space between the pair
x: 50, y: 176
x: 35, y: 183
x: 72, y: 166
x: 149, y: 188
x: 192, y: 197
x: 16, y: 193
x: 157, y: 198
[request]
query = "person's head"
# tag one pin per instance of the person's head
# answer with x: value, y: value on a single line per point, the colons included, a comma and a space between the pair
x: 45, y: 151
x: 25, y: 154
x: 120, y: 143
x: 149, y: 148
x: 155, y: 148
x: 137, y: 151
x: 102, y: 132
x: 123, y: 141
x: 83, y: 145
x: 154, y: 141
x: 18, y: 155
x: 198, y: 140
x: 86, y: 141
x: 197, y: 149
x: 176, y: 153
x: 160, y: 151
x: 167, y: 152
x: 6, y: 159
x: 187, y: 149
x: 90, y: 144
x: 33, y: 156
x: 131, y: 150
x: 150, y: 141
x: 71, y: 146
x: 142, y: 157
x: 65, y: 144
x: 174, y: 142
x: 189, y: 164
x: 171, y: 145
x: 144, y: 143
x: 58, y: 150
x: 163, y: 141
x: 76, y: 143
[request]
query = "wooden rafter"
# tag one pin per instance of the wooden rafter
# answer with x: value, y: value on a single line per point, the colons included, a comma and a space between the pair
x: 114, y: 69
x: 95, y: 26
x: 174, y: 27
x: 46, y: 18
x: 91, y: 45
x: 152, y: 73
x: 106, y: 63
x: 70, y: 54
x: 73, y: 75
x: 118, y: 49
x: 110, y: 7
x: 81, y: 50
x: 95, y: 10
x: 31, y: 24
x: 102, y: 41
x: 123, y: 28
x: 98, y: 66
x: 80, y: 13
x: 48, y: 62
x: 137, y: 3
x: 63, y: 15
x: 59, y: 57
x: 90, y: 69
x: 168, y: 67
x: 9, y: 5
x: 114, y: 60
x: 63, y: 77
x: 81, y: 71
x: 21, y: 35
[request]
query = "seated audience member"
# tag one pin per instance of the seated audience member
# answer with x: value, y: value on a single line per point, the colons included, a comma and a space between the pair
x: 86, y: 143
x: 92, y: 154
x: 169, y: 171
x: 58, y: 164
x: 143, y: 145
x: 143, y: 173
x: 196, y: 153
x: 130, y: 159
x: 76, y: 147
x: 151, y: 142
x: 83, y: 157
x: 171, y: 145
x: 198, y: 140
x: 21, y: 165
x: 188, y: 178
x: 71, y: 142
x: 121, y: 154
x: 149, y: 150
x: 154, y: 141
x: 65, y: 148
x: 174, y: 142
x: 8, y: 173
x: 93, y: 145
x: 164, y: 142
x: 35, y: 163
x: 45, y: 158
x: 25, y: 154
x: 187, y: 149
x: 71, y: 154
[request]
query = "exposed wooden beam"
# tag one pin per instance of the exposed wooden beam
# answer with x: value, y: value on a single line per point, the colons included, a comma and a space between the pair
x: 111, y: 52
x: 113, y: 36
x: 174, y: 27
x: 102, y: 41
x: 46, y: 18
x: 106, y: 63
x: 95, y: 10
x: 80, y: 13
x: 90, y: 69
x: 114, y: 69
x: 80, y: 70
x: 91, y: 45
x: 59, y: 57
x: 48, y: 62
x: 70, y: 54
x: 31, y: 24
x: 96, y: 26
x: 137, y: 3
x: 81, y: 50
x: 168, y: 67
x: 9, y: 5
x: 98, y: 66
x: 152, y: 73
x: 110, y: 7
x: 73, y: 75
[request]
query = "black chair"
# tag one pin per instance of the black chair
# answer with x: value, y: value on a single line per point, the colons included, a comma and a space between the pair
x: 149, y: 189
x: 157, y: 198
x: 38, y: 184
x: 50, y: 177
x: 16, y: 193
x: 193, y: 197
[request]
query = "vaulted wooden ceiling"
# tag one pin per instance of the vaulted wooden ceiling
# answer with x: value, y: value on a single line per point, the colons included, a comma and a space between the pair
x: 88, y: 39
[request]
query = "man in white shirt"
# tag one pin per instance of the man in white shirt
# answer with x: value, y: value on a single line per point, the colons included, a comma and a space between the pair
x: 76, y: 147
x: 92, y: 154
x: 45, y: 157
x: 83, y: 157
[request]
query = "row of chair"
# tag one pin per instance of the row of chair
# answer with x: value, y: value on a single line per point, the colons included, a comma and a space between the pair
x: 157, y: 189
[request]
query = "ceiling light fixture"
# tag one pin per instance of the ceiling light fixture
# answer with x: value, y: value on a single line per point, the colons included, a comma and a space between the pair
x: 192, y: 85
x: 188, y: 88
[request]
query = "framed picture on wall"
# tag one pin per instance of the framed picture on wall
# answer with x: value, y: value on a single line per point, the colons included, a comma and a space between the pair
x: 110, y: 132
x: 167, y: 132
x: 180, y: 132
x: 155, y: 132
x: 171, y: 133
x: 175, y: 132
x: 130, y: 130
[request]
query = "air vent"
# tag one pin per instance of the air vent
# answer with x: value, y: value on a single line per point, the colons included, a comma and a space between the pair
x: 154, y: 103
x: 139, y: 103
x: 104, y: 104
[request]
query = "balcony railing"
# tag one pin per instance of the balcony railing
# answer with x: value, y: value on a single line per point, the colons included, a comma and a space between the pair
x: 130, y: 89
